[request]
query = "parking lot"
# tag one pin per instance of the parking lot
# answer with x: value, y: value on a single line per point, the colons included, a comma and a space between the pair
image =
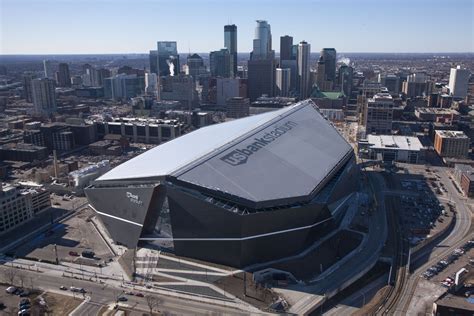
x: 423, y: 212
x: 443, y: 271
x: 68, y: 240
x: 35, y: 303
x: 11, y: 303
x: 423, y: 215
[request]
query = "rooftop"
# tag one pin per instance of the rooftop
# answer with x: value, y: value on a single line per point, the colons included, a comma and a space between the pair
x: 451, y: 134
x: 438, y: 111
x: 394, y: 141
x: 382, y: 96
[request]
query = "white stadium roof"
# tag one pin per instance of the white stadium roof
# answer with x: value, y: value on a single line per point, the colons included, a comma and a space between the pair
x: 279, y: 155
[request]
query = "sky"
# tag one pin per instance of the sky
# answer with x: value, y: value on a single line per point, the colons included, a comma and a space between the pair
x: 134, y: 26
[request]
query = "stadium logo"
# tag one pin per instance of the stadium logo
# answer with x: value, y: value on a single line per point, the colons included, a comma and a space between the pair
x: 240, y: 156
x: 134, y: 198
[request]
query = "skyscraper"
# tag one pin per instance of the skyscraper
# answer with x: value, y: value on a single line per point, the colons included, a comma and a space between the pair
x: 44, y: 96
x: 286, y: 43
x: 329, y: 56
x: 261, y: 66
x: 230, y: 42
x: 458, y: 82
x: 123, y: 86
x: 321, y: 75
x: 153, y: 61
x: 304, y: 50
x: 27, y: 79
x: 262, y: 44
x: 346, y: 74
x: 48, y: 71
x: 221, y: 63
x: 195, y: 66
x: 151, y: 83
x: 168, y: 59
x: 63, y: 78
x: 283, y: 80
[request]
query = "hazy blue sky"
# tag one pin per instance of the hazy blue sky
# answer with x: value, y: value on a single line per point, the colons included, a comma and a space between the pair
x: 134, y: 26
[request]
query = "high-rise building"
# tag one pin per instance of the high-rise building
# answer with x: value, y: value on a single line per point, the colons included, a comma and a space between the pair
x: 87, y: 75
x: 262, y: 44
x: 230, y: 42
x: 345, y: 77
x: 178, y: 88
x: 321, y: 76
x: 63, y: 78
x: 196, y: 66
x: 221, y: 63
x: 153, y: 56
x: 379, y: 114
x: 291, y: 64
x: 168, y: 59
x: 48, y: 70
x: 453, y: 144
x: 261, y: 66
x: 283, y: 81
x: 417, y: 84
x: 100, y: 75
x: 123, y: 86
x: 27, y: 79
x: 151, y: 83
x: 237, y: 107
x: 227, y: 88
x: 458, y: 82
x: 391, y: 82
x: 303, y: 62
x: 261, y: 78
x: 329, y: 56
x: 286, y: 44
x: 44, y: 96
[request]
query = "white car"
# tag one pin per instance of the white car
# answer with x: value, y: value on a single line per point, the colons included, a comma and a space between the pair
x: 10, y: 289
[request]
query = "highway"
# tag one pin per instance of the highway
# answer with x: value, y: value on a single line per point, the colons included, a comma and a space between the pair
x: 103, y: 294
x: 451, y: 242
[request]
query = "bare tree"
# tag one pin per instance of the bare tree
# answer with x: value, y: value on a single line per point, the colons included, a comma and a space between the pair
x: 9, y: 275
x: 152, y: 302
x: 22, y: 277
x: 32, y: 284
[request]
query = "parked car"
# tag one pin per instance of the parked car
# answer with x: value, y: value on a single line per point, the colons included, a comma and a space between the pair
x: 140, y: 295
x: 24, y: 293
x: 11, y: 289
x: 62, y: 287
x: 18, y: 291
x: 88, y: 254
x: 73, y: 253
x: 122, y: 299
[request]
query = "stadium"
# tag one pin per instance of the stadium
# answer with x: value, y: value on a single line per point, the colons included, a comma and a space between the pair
x: 242, y: 192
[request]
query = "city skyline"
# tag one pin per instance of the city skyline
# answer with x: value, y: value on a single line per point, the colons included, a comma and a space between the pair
x: 397, y: 27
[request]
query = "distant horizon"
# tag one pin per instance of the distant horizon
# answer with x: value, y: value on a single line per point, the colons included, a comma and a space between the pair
x: 181, y: 53
x: 64, y: 27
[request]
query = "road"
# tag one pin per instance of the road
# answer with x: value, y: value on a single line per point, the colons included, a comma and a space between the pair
x: 105, y: 294
x: 454, y: 240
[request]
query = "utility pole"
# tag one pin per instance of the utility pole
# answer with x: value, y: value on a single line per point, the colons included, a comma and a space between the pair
x: 56, y: 254
x: 245, y: 283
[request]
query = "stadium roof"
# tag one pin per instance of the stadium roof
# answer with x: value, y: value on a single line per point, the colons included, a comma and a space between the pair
x: 282, y: 156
